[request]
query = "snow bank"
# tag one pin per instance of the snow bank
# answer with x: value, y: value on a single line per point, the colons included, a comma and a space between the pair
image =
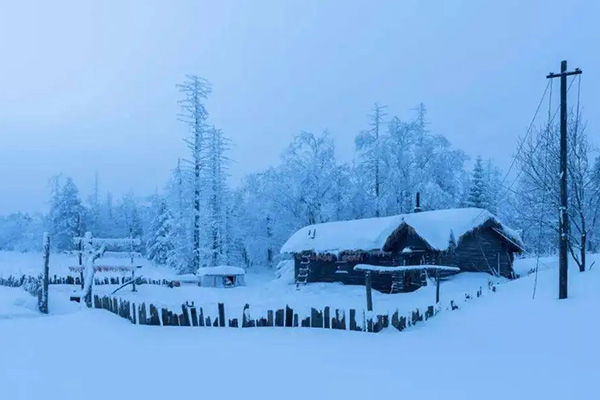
x: 437, y: 228
x: 285, y: 272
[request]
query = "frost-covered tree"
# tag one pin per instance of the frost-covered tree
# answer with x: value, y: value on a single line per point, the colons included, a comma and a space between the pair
x: 266, y: 216
x: 93, y: 220
x: 161, y: 245
x: 216, y: 171
x: 419, y: 161
x: 538, y: 191
x: 371, y: 152
x: 305, y: 180
x: 479, y: 193
x: 195, y: 91
x: 594, y: 233
x: 131, y: 222
x: 66, y: 213
x: 179, y: 192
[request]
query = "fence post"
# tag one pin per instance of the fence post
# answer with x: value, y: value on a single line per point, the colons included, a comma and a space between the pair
x: 368, y: 284
x: 270, y: 318
x: 221, y: 314
x: 43, y: 305
x: 279, y: 317
x: 289, y: 316
x: 437, y: 286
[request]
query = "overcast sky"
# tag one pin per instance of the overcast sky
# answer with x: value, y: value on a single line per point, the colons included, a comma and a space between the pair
x: 90, y: 86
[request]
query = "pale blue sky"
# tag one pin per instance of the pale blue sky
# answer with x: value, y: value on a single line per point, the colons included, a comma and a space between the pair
x: 90, y: 86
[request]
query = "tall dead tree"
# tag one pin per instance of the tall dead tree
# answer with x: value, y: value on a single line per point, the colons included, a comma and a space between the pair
x: 369, y: 144
x: 195, y: 91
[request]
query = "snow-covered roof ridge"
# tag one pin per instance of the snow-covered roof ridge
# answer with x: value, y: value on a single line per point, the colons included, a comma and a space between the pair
x: 435, y: 227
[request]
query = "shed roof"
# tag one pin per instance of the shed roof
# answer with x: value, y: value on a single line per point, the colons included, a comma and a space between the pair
x: 437, y: 228
x: 221, y: 270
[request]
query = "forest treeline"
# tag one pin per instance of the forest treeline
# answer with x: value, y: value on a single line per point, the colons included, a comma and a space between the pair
x: 200, y: 220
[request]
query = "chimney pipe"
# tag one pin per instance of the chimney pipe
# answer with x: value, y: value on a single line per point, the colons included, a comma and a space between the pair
x: 418, y: 206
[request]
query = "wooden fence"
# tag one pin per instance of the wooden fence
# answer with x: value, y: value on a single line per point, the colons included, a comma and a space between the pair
x: 21, y: 280
x: 108, y: 280
x: 326, y: 318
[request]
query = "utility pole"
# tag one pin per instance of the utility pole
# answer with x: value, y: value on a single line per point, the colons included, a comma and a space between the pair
x: 563, y: 228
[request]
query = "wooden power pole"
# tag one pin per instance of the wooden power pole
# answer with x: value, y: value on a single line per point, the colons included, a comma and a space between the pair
x: 563, y: 216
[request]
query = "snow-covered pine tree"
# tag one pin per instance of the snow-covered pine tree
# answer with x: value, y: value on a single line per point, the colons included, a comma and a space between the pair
x: 479, y: 194
x: 195, y: 91
x: 132, y: 222
x: 493, y: 176
x: 161, y: 246
x: 179, y: 192
x: 66, y: 213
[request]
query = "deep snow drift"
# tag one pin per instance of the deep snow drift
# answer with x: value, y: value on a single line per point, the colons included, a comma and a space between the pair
x: 503, y: 345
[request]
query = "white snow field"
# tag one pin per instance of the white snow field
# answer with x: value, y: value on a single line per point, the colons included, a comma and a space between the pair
x: 503, y: 345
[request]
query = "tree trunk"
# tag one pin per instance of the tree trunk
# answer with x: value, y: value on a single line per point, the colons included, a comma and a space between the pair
x: 582, y: 249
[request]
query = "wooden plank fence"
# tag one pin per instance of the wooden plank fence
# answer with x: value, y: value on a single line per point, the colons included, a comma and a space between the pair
x: 17, y: 281
x: 326, y: 318
x: 285, y: 317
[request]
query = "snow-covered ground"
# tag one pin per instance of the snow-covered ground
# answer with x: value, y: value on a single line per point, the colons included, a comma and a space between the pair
x: 263, y: 291
x: 503, y: 345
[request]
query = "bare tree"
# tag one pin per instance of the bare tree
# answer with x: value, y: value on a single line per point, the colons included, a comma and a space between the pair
x: 195, y: 91
x: 539, y: 190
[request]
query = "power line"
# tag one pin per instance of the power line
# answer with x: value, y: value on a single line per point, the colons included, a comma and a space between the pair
x: 522, y: 142
x: 512, y: 164
x: 539, y: 139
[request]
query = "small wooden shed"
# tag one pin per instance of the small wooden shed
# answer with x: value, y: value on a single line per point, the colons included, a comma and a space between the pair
x: 222, y: 276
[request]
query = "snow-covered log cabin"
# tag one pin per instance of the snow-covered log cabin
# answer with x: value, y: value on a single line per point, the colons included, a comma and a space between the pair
x: 471, y: 239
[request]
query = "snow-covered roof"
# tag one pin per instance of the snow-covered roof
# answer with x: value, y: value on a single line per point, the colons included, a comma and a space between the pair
x: 221, y: 270
x: 187, y: 278
x: 403, y: 268
x: 437, y: 228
